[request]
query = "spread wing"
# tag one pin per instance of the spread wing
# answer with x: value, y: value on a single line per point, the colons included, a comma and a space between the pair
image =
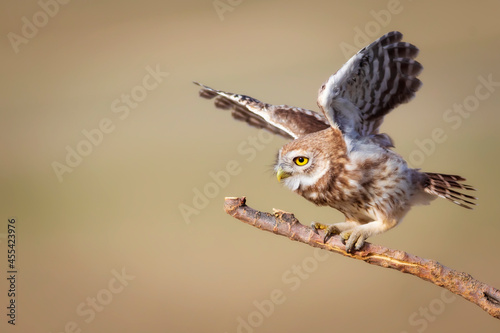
x: 372, y: 83
x: 287, y: 121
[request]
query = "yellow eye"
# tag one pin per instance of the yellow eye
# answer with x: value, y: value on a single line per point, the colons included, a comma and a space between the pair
x: 301, y: 160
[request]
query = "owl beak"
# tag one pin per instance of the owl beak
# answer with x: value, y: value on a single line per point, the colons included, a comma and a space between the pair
x: 281, y: 174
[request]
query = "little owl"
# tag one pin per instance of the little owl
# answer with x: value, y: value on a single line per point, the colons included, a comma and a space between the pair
x: 338, y: 158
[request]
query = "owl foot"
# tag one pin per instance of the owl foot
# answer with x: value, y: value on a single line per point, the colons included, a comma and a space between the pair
x: 330, y: 230
x: 353, y: 239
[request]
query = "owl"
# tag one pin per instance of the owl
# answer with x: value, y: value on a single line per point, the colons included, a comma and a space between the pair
x: 338, y: 157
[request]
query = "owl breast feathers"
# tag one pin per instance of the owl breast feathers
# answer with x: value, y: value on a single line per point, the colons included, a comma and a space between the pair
x: 338, y: 158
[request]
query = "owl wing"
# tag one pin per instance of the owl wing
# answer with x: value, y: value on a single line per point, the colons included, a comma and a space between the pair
x: 288, y: 121
x: 372, y: 83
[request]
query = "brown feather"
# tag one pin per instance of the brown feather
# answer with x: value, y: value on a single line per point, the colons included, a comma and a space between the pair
x: 442, y: 185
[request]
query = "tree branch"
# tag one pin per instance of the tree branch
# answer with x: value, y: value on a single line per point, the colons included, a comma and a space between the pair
x: 285, y: 224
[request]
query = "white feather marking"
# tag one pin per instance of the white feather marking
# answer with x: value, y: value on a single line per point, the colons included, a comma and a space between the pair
x: 335, y: 80
x: 264, y: 113
x: 303, y: 180
x: 375, y: 63
x: 312, y: 195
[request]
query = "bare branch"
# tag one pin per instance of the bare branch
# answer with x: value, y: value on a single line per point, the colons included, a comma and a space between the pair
x: 285, y: 224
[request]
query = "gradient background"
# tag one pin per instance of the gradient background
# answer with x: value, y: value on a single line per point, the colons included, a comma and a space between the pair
x: 119, y: 209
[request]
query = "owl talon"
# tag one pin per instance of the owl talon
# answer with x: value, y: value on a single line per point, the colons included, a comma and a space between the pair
x: 353, y: 240
x: 318, y: 226
x: 345, y: 236
x: 330, y: 230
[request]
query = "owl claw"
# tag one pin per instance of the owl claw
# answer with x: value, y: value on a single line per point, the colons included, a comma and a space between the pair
x: 316, y: 226
x: 353, y: 240
x: 330, y: 230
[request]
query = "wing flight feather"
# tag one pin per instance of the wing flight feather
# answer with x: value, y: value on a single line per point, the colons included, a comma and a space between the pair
x: 372, y: 83
x: 286, y: 121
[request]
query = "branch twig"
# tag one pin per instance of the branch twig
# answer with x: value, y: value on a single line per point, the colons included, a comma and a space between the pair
x: 285, y: 224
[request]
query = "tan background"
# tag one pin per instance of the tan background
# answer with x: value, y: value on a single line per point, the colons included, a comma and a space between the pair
x: 119, y: 209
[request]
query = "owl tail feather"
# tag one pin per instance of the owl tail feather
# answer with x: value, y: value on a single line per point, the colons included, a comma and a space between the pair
x: 443, y: 186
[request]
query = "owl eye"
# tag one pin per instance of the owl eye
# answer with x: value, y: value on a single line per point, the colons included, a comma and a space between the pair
x: 301, y: 160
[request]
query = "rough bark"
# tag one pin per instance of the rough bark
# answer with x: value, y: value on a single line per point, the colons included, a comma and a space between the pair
x: 285, y: 224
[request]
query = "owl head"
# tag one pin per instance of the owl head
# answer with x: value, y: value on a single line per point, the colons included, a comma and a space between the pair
x: 301, y: 164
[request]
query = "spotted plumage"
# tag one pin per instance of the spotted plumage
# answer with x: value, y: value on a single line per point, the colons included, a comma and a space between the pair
x: 338, y: 158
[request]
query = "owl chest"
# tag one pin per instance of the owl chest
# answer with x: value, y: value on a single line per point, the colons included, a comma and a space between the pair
x: 380, y: 191
x: 337, y: 192
x: 364, y: 191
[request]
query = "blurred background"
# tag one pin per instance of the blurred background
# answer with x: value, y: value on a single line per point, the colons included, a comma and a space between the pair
x: 113, y: 167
